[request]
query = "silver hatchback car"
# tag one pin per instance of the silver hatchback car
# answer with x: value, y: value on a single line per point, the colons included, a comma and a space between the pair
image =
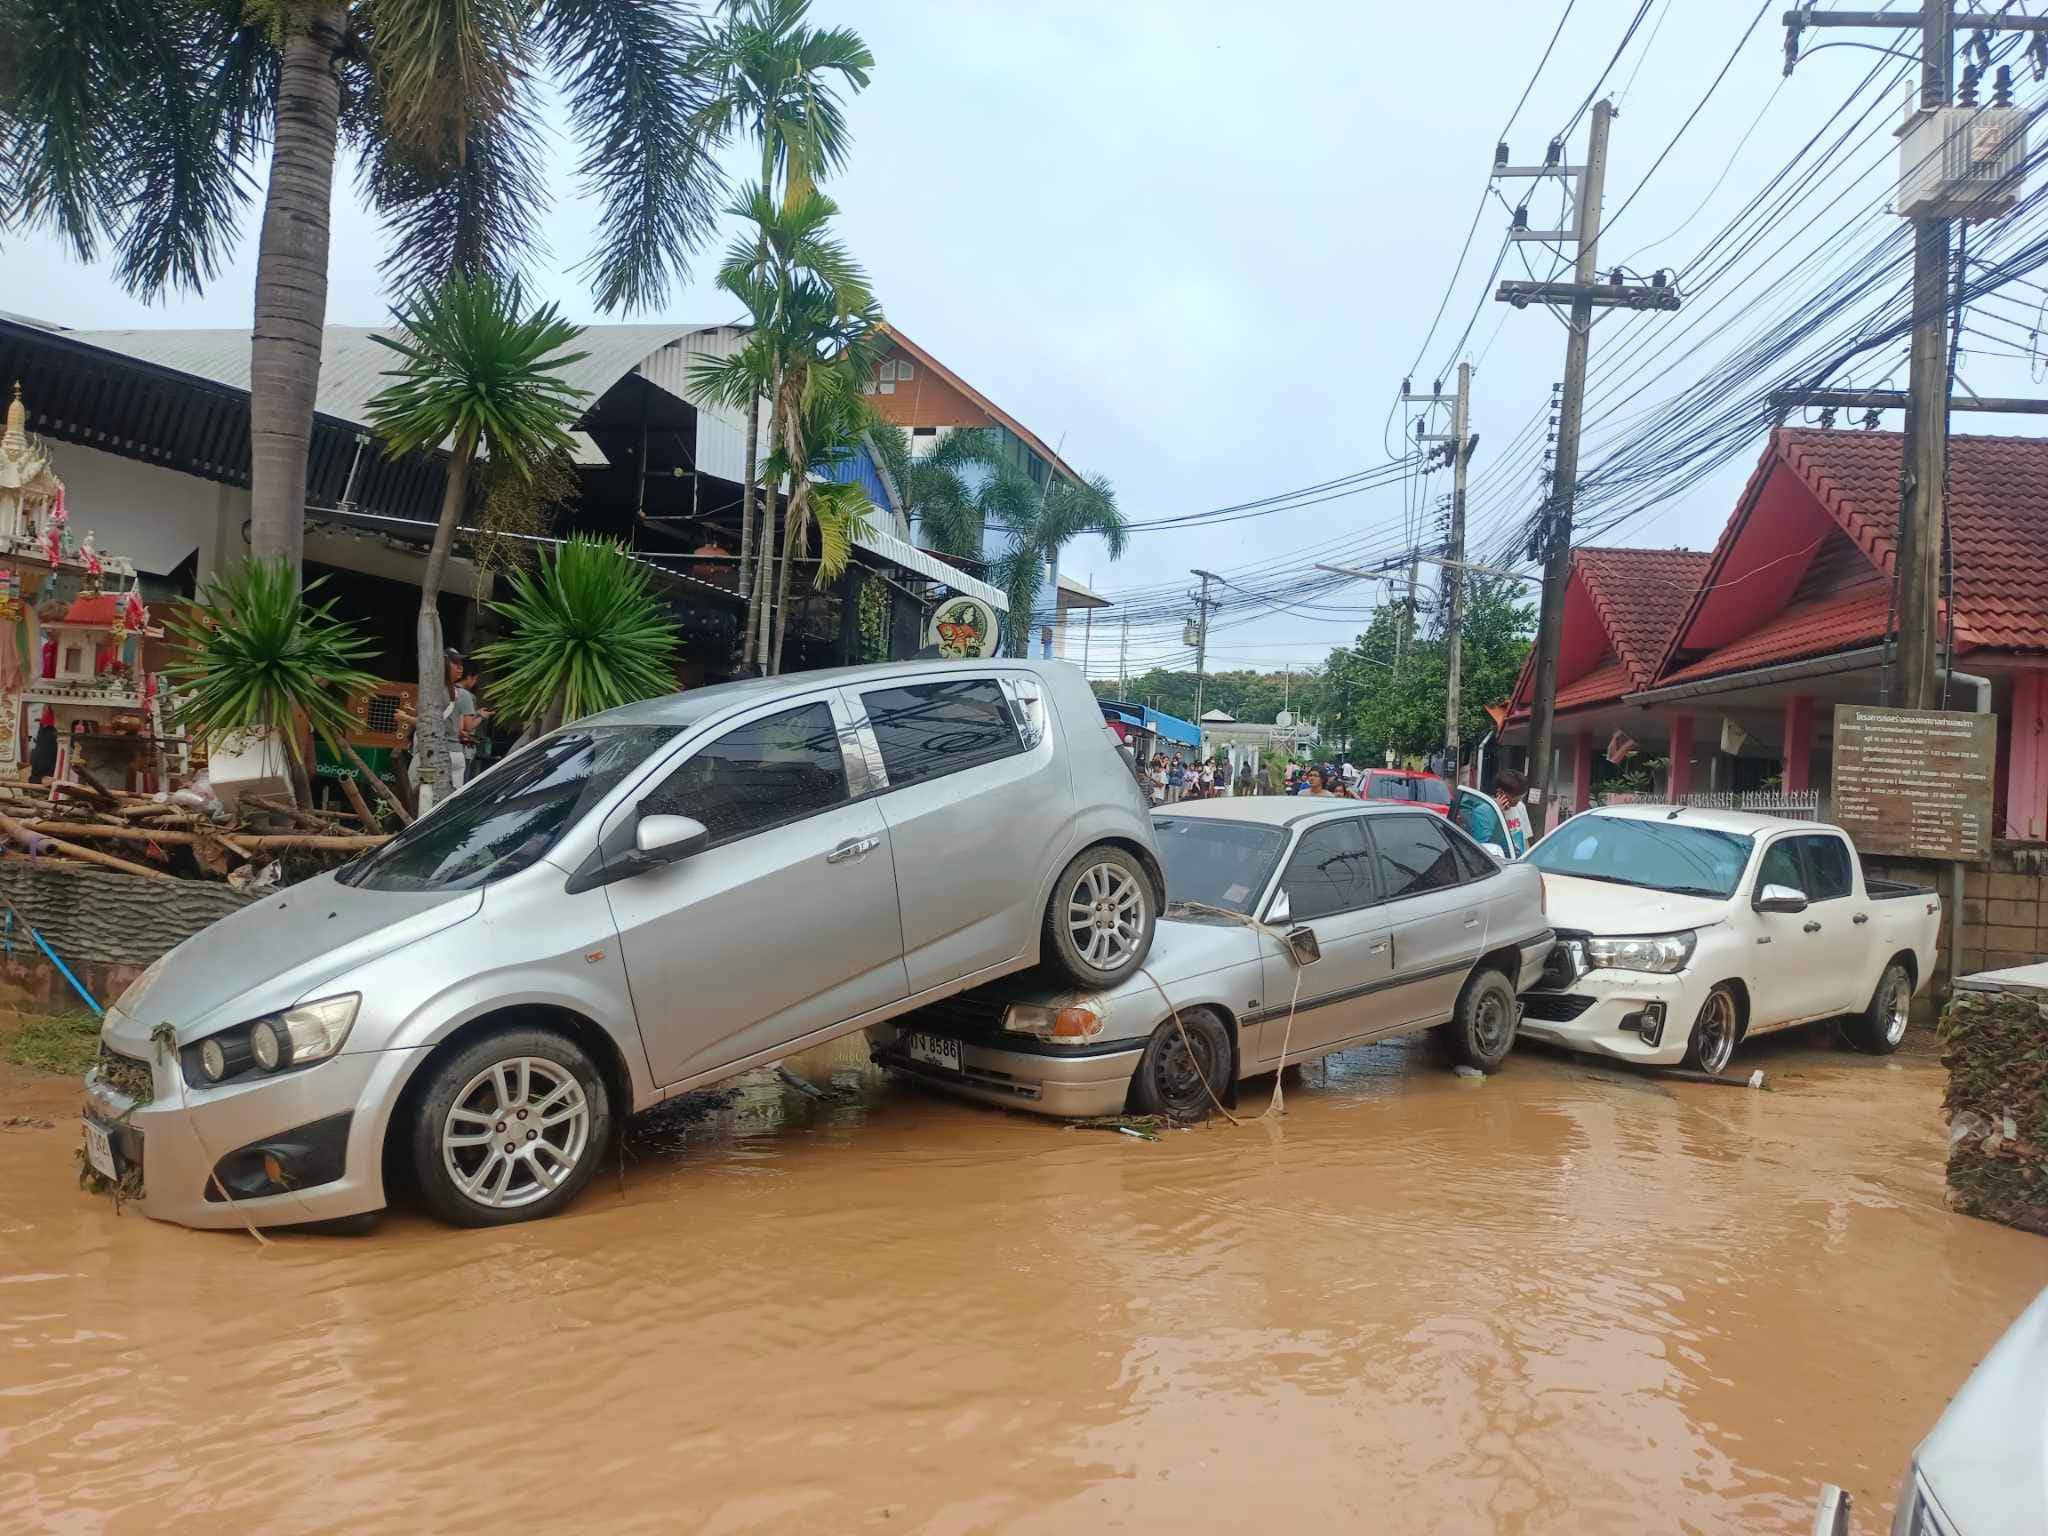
x: 639, y: 904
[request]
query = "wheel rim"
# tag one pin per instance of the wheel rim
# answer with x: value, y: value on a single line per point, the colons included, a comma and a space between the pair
x: 1714, y: 1032
x: 1897, y: 1004
x: 516, y: 1132
x: 1492, y: 1020
x: 1106, y: 915
x: 1182, y: 1076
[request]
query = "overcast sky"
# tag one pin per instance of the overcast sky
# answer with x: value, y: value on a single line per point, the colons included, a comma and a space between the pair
x: 1198, y: 247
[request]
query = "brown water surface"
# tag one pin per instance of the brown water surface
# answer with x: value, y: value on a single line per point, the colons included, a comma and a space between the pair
x: 1559, y: 1300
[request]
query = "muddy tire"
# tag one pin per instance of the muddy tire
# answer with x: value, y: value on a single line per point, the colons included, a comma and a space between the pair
x: 1881, y: 1026
x: 1712, y: 1041
x: 1099, y: 923
x: 1482, y: 1030
x: 509, y: 1128
x: 1169, y: 1080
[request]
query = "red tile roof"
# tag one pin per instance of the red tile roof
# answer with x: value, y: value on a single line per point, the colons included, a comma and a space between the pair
x: 1998, y: 511
x: 1639, y: 595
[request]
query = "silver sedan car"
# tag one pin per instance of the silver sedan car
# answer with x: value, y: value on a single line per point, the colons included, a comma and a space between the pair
x: 1395, y: 922
x: 639, y: 904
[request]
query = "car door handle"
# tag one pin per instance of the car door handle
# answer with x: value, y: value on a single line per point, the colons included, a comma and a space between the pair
x: 1379, y: 948
x: 1860, y: 919
x: 1813, y: 927
x: 1472, y: 920
x: 853, y: 848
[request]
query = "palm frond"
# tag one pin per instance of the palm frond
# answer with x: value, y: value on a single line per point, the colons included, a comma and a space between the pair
x: 586, y: 633
x: 637, y: 110
x: 257, y: 654
x: 842, y: 514
x: 473, y: 368
x: 445, y: 68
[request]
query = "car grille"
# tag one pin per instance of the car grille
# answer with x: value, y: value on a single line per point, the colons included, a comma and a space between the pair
x: 1554, y: 1007
x: 126, y: 1075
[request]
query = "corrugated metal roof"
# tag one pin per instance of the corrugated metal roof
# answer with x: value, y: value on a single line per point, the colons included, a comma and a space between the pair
x: 353, y: 363
x: 911, y: 558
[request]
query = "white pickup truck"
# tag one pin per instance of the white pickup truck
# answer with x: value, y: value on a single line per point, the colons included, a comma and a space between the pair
x: 1681, y: 932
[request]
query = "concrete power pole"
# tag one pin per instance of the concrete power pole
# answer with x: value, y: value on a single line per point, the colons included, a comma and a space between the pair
x: 1457, y: 445
x: 1923, y: 470
x: 1123, y: 652
x: 1585, y: 293
x: 1203, y: 604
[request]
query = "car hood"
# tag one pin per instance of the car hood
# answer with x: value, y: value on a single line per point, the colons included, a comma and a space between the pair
x: 1597, y: 907
x: 1987, y: 1458
x: 272, y: 954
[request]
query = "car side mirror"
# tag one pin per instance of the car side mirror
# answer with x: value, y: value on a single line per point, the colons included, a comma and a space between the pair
x: 1281, y: 912
x: 1302, y: 942
x: 1780, y: 898
x: 665, y: 839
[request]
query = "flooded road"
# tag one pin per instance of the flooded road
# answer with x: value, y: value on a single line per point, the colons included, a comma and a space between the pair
x: 1559, y: 1300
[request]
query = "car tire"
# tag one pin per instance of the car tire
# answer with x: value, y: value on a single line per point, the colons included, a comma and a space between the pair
x: 1482, y: 1030
x: 1714, y: 1029
x: 1099, y: 923
x: 1170, y: 1081
x: 1881, y: 1026
x: 538, y: 1091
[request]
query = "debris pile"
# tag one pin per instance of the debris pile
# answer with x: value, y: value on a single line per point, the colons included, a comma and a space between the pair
x: 1995, y: 1046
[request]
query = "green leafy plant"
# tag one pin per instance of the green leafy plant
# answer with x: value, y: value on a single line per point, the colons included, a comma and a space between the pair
x: 587, y: 634
x: 65, y: 1043
x: 476, y: 371
x: 256, y: 654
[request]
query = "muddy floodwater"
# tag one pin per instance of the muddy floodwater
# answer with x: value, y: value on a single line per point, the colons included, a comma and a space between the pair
x: 1559, y: 1300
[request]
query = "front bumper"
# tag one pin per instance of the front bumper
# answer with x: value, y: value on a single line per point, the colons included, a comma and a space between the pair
x: 1603, y: 1012
x: 181, y: 1135
x: 1073, y: 1085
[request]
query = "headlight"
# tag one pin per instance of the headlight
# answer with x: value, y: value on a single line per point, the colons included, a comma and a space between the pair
x: 1656, y: 952
x: 1074, y: 1024
x: 277, y: 1042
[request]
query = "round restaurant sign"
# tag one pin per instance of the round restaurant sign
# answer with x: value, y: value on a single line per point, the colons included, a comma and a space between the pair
x: 962, y: 627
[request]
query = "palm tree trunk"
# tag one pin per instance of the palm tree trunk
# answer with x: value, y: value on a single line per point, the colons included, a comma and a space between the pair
x: 753, y: 429
x: 795, y: 525
x: 429, y: 748
x: 764, y: 573
x: 291, y: 283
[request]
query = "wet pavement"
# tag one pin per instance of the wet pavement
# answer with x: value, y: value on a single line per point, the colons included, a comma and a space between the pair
x: 1559, y: 1300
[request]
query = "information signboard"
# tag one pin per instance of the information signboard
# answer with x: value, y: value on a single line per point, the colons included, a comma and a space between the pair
x: 1915, y: 782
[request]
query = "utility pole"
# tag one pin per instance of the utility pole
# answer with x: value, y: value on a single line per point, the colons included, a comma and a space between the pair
x: 1203, y: 603
x: 1923, y: 467
x: 1585, y: 293
x: 1123, y: 651
x: 1457, y: 446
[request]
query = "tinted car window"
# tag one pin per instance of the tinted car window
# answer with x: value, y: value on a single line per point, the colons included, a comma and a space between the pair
x: 1781, y: 866
x: 758, y: 775
x: 929, y: 729
x: 1217, y: 863
x: 1413, y: 855
x: 1472, y: 859
x: 1330, y: 871
x: 1827, y: 867
x: 511, y: 816
x: 1432, y: 791
x: 1387, y: 786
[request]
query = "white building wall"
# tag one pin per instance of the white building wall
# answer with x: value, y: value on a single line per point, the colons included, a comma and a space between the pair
x: 721, y: 434
x: 153, y: 515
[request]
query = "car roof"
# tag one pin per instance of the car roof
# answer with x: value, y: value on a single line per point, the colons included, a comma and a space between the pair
x: 1281, y: 810
x: 694, y: 704
x: 1742, y: 823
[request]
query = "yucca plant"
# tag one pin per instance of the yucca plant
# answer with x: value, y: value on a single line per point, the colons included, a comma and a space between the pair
x: 587, y: 634
x: 480, y: 373
x: 255, y: 654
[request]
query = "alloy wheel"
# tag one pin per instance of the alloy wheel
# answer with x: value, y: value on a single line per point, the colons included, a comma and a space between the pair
x: 1896, y: 1006
x: 1106, y: 915
x: 516, y: 1132
x: 1714, y: 1032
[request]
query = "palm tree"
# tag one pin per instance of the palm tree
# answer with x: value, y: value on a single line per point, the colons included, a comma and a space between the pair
x: 814, y: 337
x: 141, y: 126
x: 771, y: 76
x: 935, y: 487
x: 477, y: 374
x: 586, y: 633
x: 829, y: 426
x: 256, y: 657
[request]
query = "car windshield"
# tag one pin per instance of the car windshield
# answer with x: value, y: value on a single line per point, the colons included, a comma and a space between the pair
x: 513, y: 815
x: 1658, y: 855
x: 1216, y: 863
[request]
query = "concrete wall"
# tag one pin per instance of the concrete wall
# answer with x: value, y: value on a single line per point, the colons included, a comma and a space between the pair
x: 152, y: 515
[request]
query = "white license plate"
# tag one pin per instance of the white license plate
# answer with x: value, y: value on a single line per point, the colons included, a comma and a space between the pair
x: 99, y: 1151
x: 934, y: 1051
